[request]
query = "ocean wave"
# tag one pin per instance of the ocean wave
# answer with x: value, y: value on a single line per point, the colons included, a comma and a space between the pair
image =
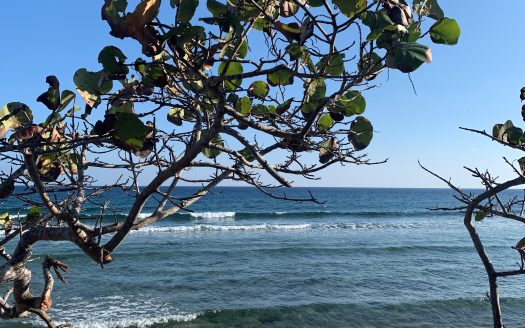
x: 136, y: 321
x: 116, y: 311
x: 285, y: 227
x: 212, y: 215
x: 217, y: 215
x: 209, y: 227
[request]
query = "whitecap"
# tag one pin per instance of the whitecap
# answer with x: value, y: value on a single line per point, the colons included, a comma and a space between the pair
x: 212, y: 215
x: 209, y: 227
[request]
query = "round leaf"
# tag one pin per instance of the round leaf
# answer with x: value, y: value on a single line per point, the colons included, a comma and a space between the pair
x: 280, y: 77
x: 350, y: 7
x: 446, y: 31
x: 408, y: 56
x: 112, y: 60
x: 325, y: 122
x: 361, y: 133
x: 130, y: 130
x: 212, y: 152
x: 352, y: 103
x: 233, y: 68
x: 244, y: 106
x: 258, y: 89
x: 332, y: 65
x: 186, y: 10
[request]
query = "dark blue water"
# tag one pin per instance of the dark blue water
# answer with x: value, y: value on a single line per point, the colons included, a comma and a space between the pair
x: 365, y: 258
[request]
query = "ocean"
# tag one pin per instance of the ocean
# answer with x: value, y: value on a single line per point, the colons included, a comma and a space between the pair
x: 364, y: 258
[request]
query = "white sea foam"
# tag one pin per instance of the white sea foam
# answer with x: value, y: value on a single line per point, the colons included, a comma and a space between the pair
x: 212, y: 215
x: 138, y: 321
x: 209, y: 227
x: 144, y: 215
x: 115, y: 311
x: 283, y: 227
x: 369, y: 226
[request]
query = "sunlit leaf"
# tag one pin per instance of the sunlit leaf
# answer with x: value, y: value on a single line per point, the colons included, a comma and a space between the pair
x: 350, y: 7
x: 445, y: 31
x: 233, y: 68
x: 258, y: 89
x: 175, y: 115
x: 280, y: 77
x: 244, y: 105
x: 325, y: 122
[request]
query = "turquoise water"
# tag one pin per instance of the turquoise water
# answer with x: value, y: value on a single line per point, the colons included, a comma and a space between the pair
x: 365, y: 258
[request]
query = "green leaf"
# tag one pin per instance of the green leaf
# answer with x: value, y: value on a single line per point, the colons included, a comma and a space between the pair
x: 33, y: 213
x: 376, y: 21
x: 234, y: 68
x: 244, y: 106
x: 429, y: 8
x: 130, y: 130
x: 216, y: 8
x: 413, y: 33
x: 51, y: 98
x: 445, y: 31
x: 332, y: 65
x: 283, y: 107
x: 301, y: 52
x: 361, y: 133
x: 66, y: 97
x: 241, y: 52
x: 325, y: 122
x: 407, y: 56
x: 112, y: 60
x: 280, y: 77
x: 480, y: 215
x: 352, y: 103
x: 247, y: 11
x: 261, y: 24
x: 72, y: 161
x: 261, y: 111
x: 314, y: 89
x: 258, y: 89
x: 14, y: 115
x: 212, y: 152
x: 91, y: 85
x: 175, y: 115
x: 350, y: 7
x: 186, y: 10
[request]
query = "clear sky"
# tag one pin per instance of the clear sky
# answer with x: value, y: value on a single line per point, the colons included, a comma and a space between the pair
x: 474, y: 84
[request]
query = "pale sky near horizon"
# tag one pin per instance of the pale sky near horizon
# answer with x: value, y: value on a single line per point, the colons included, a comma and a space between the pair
x: 474, y: 84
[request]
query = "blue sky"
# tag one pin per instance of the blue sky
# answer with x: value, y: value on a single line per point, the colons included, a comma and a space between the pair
x: 474, y: 84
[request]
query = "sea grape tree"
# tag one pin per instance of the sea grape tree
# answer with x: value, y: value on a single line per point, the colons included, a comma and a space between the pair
x: 496, y: 202
x: 257, y: 91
